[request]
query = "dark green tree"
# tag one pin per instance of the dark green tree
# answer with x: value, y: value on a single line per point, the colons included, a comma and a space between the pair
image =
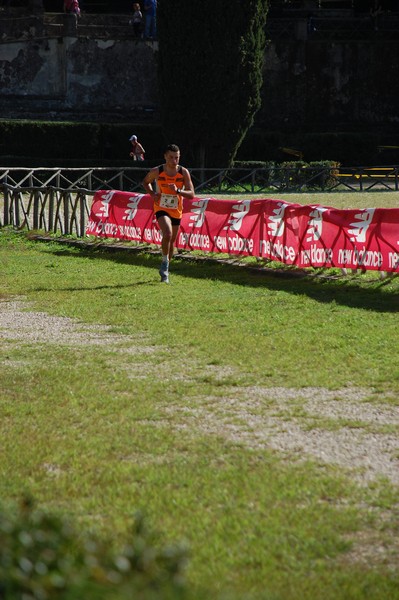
x: 210, y: 74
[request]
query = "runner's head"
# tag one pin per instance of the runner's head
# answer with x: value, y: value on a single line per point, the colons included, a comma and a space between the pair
x: 172, y: 155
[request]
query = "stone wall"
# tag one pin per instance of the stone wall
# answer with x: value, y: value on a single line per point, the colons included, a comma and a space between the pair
x: 77, y: 76
x: 310, y: 83
x: 318, y: 86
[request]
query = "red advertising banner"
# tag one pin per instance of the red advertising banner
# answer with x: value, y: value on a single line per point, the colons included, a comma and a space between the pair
x: 303, y: 235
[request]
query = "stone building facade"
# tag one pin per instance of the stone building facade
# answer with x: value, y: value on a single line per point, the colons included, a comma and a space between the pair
x: 324, y: 74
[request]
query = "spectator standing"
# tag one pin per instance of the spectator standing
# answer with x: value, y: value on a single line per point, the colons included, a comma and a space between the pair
x: 136, y: 20
x: 150, y: 9
x: 137, y: 152
x: 71, y: 7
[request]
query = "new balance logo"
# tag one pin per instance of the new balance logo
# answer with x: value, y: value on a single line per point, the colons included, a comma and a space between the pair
x: 132, y: 207
x: 237, y: 217
x: 198, y: 208
x: 105, y: 202
x: 360, y: 227
x: 315, y: 225
x: 276, y: 221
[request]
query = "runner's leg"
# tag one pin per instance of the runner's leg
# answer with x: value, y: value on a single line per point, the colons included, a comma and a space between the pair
x: 165, y: 225
x: 175, y: 231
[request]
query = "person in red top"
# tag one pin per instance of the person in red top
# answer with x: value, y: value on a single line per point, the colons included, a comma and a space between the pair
x: 137, y: 152
x: 72, y: 6
x: 168, y: 184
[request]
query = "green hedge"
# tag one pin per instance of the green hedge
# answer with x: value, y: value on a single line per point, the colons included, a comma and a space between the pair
x: 58, y: 143
x: 260, y: 177
x: 315, y: 174
x: 48, y: 143
x: 294, y: 174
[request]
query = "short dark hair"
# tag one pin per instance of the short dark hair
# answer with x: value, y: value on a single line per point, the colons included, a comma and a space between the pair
x: 172, y: 148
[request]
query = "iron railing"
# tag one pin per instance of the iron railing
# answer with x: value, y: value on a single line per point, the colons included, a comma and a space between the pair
x: 59, y: 199
x: 289, y: 178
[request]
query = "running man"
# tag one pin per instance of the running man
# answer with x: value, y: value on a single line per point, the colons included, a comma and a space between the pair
x: 168, y: 184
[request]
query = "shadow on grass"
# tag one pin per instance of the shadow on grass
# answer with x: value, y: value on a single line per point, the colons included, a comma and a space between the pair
x: 354, y: 291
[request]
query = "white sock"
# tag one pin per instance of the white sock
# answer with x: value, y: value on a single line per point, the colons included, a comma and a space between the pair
x: 165, y: 258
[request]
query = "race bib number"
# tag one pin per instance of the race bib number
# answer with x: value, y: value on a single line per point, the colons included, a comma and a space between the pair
x: 168, y: 201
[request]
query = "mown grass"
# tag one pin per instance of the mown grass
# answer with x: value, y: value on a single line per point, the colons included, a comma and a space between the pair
x: 336, y: 199
x: 98, y: 432
x: 344, y: 199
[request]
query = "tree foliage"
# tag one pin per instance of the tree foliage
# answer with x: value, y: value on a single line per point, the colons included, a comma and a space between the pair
x: 210, y: 74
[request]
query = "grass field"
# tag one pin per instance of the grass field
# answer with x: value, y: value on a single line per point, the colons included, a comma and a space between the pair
x: 253, y: 416
x: 341, y: 200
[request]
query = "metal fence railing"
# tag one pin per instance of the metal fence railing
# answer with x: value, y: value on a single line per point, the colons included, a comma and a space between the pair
x: 288, y: 178
x: 59, y: 199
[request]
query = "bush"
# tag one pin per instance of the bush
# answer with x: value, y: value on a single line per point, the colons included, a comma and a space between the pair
x: 41, y: 139
x: 48, y: 143
x: 299, y: 174
x: 42, y: 558
x: 263, y: 175
x: 320, y: 174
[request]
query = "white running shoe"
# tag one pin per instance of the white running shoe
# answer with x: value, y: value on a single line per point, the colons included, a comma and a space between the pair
x: 164, y: 272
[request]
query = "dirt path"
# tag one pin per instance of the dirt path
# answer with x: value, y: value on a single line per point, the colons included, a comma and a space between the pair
x: 333, y: 427
x: 337, y: 427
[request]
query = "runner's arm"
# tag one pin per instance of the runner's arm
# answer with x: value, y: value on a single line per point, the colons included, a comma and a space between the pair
x: 187, y: 191
x: 148, y: 181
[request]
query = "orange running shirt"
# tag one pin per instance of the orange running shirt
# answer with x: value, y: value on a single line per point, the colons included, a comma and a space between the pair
x: 169, y: 201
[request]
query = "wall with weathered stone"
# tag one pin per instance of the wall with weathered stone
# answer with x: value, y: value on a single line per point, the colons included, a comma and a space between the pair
x: 308, y: 85
x: 77, y: 76
x: 321, y: 85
